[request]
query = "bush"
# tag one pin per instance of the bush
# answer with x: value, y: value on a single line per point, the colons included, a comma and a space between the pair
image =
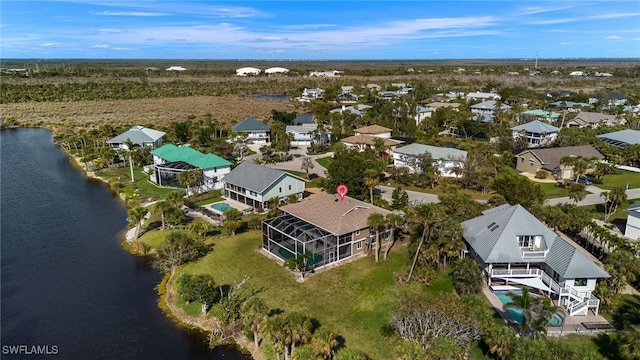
x: 541, y: 174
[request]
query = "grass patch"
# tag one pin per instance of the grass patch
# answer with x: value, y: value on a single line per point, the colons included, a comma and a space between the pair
x: 153, y: 239
x: 209, y: 201
x: 325, y: 161
x: 141, y: 189
x: 439, y: 189
x: 621, y: 178
x: 552, y: 190
x: 363, y: 293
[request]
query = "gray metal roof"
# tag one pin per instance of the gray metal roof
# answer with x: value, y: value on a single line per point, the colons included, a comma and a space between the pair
x: 250, y: 124
x: 537, y: 127
x: 138, y: 135
x: 255, y: 177
x: 493, y: 236
x: 622, y: 138
x: 437, y: 153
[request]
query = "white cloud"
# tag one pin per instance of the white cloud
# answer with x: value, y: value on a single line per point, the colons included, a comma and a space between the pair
x: 109, y: 31
x: 130, y: 13
x: 99, y: 46
x: 539, y: 10
x: 565, y: 43
x: 612, y: 37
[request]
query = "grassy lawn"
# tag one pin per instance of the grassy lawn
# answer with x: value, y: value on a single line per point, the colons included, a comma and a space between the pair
x: 325, y: 161
x: 362, y: 293
x: 436, y: 191
x: 552, y: 190
x: 142, y: 189
x: 153, y: 239
x: 623, y: 178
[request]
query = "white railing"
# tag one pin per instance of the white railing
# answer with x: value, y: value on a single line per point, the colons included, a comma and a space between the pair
x: 526, y: 254
x: 577, y: 306
x: 516, y: 272
x: 594, y: 302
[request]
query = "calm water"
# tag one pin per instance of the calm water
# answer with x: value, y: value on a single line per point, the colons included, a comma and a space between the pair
x: 66, y: 281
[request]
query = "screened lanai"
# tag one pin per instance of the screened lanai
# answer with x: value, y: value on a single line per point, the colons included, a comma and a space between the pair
x: 286, y: 235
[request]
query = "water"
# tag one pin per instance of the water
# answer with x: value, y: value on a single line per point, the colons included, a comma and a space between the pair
x: 67, y: 284
x: 276, y: 98
x: 221, y: 207
x: 516, y: 314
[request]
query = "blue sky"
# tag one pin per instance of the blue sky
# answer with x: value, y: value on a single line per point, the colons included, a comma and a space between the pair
x: 319, y: 30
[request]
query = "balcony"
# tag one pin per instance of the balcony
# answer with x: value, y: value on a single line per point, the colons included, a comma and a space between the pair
x: 534, y: 253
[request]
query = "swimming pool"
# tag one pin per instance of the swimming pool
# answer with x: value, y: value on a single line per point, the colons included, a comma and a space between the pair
x: 516, y: 314
x: 221, y: 207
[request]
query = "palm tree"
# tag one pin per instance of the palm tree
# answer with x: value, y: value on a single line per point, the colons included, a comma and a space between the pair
x: 629, y: 342
x: 577, y: 192
x: 176, y: 198
x: 371, y: 180
x: 325, y: 342
x: 129, y: 146
x: 425, y: 215
x: 377, y: 222
x: 500, y: 341
x: 200, y: 228
x: 307, y: 164
x: 531, y: 308
x: 613, y: 199
x: 232, y: 220
x: 274, y: 329
x: 393, y: 220
x: 300, y: 329
x: 254, y: 311
x: 136, y: 216
x: 162, y: 206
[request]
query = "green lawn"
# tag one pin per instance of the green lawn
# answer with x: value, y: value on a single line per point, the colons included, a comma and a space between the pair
x: 355, y: 299
x: 623, y: 178
x: 142, y: 189
x: 325, y: 161
x: 153, y: 239
x: 552, y: 190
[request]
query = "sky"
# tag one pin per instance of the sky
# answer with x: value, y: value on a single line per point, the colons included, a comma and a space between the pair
x: 319, y: 30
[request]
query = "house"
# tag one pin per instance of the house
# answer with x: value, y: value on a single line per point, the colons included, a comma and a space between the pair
x: 312, y: 94
x: 571, y: 106
x: 374, y: 130
x: 487, y: 109
x: 438, y: 105
x: 306, y: 134
x: 327, y: 228
x: 536, y: 132
x: 482, y: 96
x: 603, y: 74
x: 246, y: 71
x: 276, y: 70
x: 256, y: 131
x: 358, y: 109
x: 538, y: 114
x: 448, y: 160
x: 255, y: 185
x: 388, y: 95
x: 175, y: 68
x: 137, y: 135
x: 332, y: 73
x: 362, y: 142
x: 622, y: 138
x: 632, y: 230
x: 594, y: 119
x: 578, y: 73
x: 548, y: 159
x: 170, y: 160
x: 513, y: 247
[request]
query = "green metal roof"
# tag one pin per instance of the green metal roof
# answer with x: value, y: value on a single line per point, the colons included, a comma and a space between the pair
x: 172, y: 153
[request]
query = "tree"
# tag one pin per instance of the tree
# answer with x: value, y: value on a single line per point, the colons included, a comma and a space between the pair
x: 232, y: 220
x: 629, y: 342
x: 613, y: 199
x: 500, y: 340
x: 577, y: 192
x: 191, y: 178
x: 371, y: 180
x: 162, y: 206
x: 129, y: 145
x: 350, y: 354
x: 517, y: 189
x: 307, y: 164
x: 394, y: 220
x: 400, y: 198
x: 176, y: 198
x: 136, y: 216
x: 254, y: 311
x: 201, y: 287
x: 300, y: 328
x: 177, y: 249
x: 467, y: 277
x: 324, y: 341
x: 377, y: 223
x: 200, y: 228
x: 275, y: 330
x: 424, y: 215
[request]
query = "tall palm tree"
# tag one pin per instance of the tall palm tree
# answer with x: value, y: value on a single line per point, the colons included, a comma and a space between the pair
x: 393, y: 220
x: 254, y: 311
x: 232, y: 220
x: 378, y: 223
x: 129, y: 146
x: 424, y: 215
x: 500, y: 341
x: 325, y: 342
x: 162, y: 206
x: 577, y: 192
x: 371, y: 180
x: 176, y: 198
x: 300, y: 329
x: 274, y: 328
x: 528, y: 304
x: 136, y: 216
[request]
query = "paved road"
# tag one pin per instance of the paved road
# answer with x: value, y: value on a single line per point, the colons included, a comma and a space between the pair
x: 294, y: 165
x: 593, y: 198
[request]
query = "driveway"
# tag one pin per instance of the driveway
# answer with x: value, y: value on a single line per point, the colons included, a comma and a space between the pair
x: 294, y: 165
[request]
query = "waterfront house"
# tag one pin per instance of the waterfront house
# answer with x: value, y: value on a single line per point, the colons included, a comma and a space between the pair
x: 256, y: 131
x: 331, y: 230
x: 170, y: 160
x: 632, y: 229
x: 548, y: 159
x: 312, y: 94
x: 358, y: 109
x: 513, y: 247
x: 536, y: 132
x: 255, y: 185
x: 448, y: 160
x: 139, y: 136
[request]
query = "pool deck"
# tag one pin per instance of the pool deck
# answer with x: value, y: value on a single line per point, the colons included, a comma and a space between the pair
x: 572, y: 324
x: 234, y: 204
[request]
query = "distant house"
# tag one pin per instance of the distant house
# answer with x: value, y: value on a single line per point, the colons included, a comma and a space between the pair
x: 513, y: 247
x: 536, y: 132
x: 138, y: 135
x: 358, y: 109
x: 312, y: 94
x: 622, y: 138
x: 448, y: 160
x: 330, y: 230
x: 548, y: 159
x: 603, y: 74
x: 482, y: 96
x: 175, y: 68
x: 374, y: 130
x: 256, y: 131
x: 331, y: 73
x: 538, y: 114
x: 246, y: 71
x: 438, y: 105
x: 487, y: 108
x: 632, y: 229
x: 578, y: 73
x: 255, y: 185
x: 568, y: 105
x: 276, y: 70
x: 388, y: 95
x: 594, y: 119
x: 303, y: 135
x: 170, y: 160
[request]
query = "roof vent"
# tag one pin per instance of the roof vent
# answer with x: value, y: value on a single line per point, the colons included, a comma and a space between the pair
x: 492, y: 226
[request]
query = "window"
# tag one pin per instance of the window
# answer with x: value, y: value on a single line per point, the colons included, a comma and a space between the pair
x: 357, y: 232
x: 531, y: 162
x: 527, y: 241
x: 280, y: 188
x: 580, y: 282
x: 289, y: 187
x: 359, y: 245
x: 522, y: 159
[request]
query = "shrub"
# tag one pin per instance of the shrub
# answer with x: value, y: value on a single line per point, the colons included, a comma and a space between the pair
x: 541, y: 174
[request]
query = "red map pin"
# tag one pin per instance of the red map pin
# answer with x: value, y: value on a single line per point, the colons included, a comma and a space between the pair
x: 342, y: 191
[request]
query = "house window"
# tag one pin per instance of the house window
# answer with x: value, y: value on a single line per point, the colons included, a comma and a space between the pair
x: 359, y: 245
x: 527, y: 241
x: 522, y: 159
x: 289, y: 187
x: 531, y: 162
x: 357, y: 232
x: 580, y: 282
x: 280, y: 188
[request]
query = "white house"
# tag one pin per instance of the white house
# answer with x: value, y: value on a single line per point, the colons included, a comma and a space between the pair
x: 170, y: 160
x: 331, y: 73
x: 276, y: 70
x: 137, y: 135
x: 303, y: 135
x: 312, y: 94
x: 578, y: 73
x: 513, y: 247
x: 487, y: 108
x: 246, y: 71
x: 536, y: 132
x: 448, y: 160
x: 632, y: 230
x: 175, y: 68
x: 483, y: 96
x: 256, y: 131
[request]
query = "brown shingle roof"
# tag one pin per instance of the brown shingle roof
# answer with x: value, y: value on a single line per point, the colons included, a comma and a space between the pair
x: 587, y: 118
x: 550, y: 157
x: 368, y: 140
x: 373, y: 129
x: 338, y: 217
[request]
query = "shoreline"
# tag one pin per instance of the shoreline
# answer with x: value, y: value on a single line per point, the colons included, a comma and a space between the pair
x: 166, y: 293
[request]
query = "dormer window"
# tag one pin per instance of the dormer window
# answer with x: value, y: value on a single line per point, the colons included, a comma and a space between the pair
x: 529, y: 241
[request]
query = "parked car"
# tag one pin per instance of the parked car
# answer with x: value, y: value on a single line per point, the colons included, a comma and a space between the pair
x: 584, y: 180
